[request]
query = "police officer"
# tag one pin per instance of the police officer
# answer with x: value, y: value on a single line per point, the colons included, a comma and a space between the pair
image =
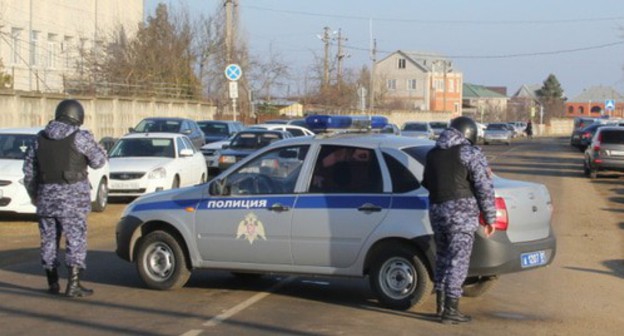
x: 460, y: 186
x: 55, y: 175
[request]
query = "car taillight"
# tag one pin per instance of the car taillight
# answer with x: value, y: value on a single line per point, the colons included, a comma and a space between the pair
x: 586, y: 135
x: 502, y: 220
x: 597, y: 144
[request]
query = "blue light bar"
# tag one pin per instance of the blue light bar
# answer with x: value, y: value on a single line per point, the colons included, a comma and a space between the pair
x: 325, y: 122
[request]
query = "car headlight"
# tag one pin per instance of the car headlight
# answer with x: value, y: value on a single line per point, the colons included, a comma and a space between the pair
x: 158, y: 173
x: 227, y: 159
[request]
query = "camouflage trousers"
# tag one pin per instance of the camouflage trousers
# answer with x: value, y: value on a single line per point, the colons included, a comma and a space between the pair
x: 75, y: 231
x: 453, y: 251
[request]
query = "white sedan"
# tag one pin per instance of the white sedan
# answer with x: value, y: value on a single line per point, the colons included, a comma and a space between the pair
x: 295, y: 130
x: 142, y: 163
x: 14, y: 143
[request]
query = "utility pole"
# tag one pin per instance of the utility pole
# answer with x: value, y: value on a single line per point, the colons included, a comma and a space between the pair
x: 371, y: 90
x: 325, y: 40
x: 229, y: 29
x: 340, y: 55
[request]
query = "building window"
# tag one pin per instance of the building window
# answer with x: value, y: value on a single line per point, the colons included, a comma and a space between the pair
x: 581, y: 110
x: 438, y: 84
x: 16, y: 44
x: 570, y: 109
x: 411, y: 84
x: 402, y: 63
x: 451, y: 85
x: 52, y: 51
x: 34, y: 50
x: 391, y: 84
x: 66, y: 49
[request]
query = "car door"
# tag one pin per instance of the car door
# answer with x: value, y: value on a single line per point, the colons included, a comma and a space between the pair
x: 249, y: 220
x: 195, y: 165
x: 343, y: 205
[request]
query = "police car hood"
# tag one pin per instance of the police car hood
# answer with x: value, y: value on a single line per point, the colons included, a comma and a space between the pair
x: 137, y: 164
x: 57, y: 130
x: 451, y: 137
x: 11, y: 168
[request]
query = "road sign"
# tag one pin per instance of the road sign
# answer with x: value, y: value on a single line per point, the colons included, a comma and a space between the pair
x: 233, y: 72
x: 610, y: 104
x: 233, y: 90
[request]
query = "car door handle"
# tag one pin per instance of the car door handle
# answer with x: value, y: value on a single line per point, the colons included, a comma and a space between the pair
x: 368, y: 207
x: 278, y: 208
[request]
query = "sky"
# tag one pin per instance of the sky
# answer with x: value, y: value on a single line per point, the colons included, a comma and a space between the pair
x: 492, y: 42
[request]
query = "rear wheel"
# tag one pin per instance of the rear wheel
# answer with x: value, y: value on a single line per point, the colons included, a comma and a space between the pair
x: 101, y: 197
x: 399, y: 278
x: 161, y: 262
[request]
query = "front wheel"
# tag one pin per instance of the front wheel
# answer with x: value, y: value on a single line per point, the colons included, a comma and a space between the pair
x: 101, y: 197
x: 399, y: 278
x: 161, y: 262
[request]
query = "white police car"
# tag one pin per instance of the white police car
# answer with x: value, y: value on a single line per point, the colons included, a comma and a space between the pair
x: 347, y: 204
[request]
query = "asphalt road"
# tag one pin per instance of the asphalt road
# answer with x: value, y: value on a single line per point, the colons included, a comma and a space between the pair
x: 581, y: 293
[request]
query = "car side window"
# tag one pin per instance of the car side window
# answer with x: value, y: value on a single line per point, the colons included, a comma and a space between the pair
x: 341, y: 169
x: 188, y: 144
x: 295, y: 131
x: 402, y: 178
x: 180, y: 145
x: 274, y: 172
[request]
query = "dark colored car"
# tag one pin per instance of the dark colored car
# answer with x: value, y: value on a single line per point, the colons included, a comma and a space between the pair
x: 246, y: 142
x: 217, y: 130
x: 184, y: 126
x: 438, y: 127
x: 605, y: 151
x: 585, y: 136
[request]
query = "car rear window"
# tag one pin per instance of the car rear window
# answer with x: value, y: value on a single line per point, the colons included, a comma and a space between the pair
x: 415, y: 127
x: 402, y: 178
x: 613, y: 136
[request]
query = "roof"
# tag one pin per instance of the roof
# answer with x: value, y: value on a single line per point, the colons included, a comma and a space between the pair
x: 479, y: 91
x: 423, y: 60
x: 598, y: 94
x: 528, y: 91
x: 24, y: 130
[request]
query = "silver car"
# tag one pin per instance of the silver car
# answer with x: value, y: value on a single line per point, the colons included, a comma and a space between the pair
x: 417, y: 129
x: 348, y: 205
x: 497, y: 132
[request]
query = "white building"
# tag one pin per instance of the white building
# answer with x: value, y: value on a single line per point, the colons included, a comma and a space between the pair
x: 40, y: 40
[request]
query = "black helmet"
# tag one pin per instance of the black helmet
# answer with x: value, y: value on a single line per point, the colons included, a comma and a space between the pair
x: 467, y: 127
x: 70, y: 111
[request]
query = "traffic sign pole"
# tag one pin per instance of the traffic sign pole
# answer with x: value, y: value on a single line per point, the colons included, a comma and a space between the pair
x: 233, y: 72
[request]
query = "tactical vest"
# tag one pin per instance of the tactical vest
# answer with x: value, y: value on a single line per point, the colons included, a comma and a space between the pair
x: 447, y: 177
x: 59, y: 161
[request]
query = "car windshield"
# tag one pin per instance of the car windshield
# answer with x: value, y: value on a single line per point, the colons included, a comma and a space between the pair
x: 415, y: 127
x: 612, y: 137
x: 158, y: 125
x: 253, y: 140
x: 15, y: 146
x: 143, y: 147
x: 497, y: 127
x: 437, y: 124
x: 212, y: 128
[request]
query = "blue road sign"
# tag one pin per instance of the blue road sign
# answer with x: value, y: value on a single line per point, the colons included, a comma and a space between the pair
x: 610, y: 104
x: 233, y: 72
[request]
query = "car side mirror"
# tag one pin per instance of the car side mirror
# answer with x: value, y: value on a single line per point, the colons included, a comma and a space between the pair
x: 131, y: 129
x: 186, y: 152
x: 187, y: 131
x: 225, y: 146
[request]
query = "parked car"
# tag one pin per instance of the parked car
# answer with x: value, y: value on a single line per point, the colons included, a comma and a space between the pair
x: 347, y: 205
x: 246, y: 142
x: 295, y: 130
x: 517, y: 129
x: 184, y: 126
x: 497, y: 132
x: 586, y: 134
x: 218, y: 130
x: 438, y: 127
x: 212, y: 151
x: 605, y: 151
x: 391, y: 129
x: 145, y: 163
x: 14, y: 143
x: 417, y: 129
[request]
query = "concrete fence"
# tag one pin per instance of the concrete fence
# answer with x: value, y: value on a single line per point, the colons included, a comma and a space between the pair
x: 105, y: 117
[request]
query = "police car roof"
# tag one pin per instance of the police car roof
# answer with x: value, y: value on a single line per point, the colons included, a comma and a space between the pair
x: 369, y: 140
x: 23, y: 130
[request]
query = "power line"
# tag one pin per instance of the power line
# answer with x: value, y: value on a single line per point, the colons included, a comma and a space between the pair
x: 420, y: 21
x: 517, y: 55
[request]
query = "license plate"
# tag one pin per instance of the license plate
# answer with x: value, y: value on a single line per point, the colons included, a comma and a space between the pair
x: 122, y: 185
x: 532, y: 259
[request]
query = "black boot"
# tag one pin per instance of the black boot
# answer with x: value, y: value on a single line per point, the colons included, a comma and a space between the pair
x: 74, y: 289
x: 53, y: 284
x: 451, y: 314
x: 439, y: 303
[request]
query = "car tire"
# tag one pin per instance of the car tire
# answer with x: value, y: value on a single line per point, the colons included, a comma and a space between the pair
x: 101, y: 197
x: 486, y: 143
x: 593, y: 174
x: 161, y: 262
x: 477, y: 286
x: 508, y: 143
x: 399, y: 278
x: 176, y: 182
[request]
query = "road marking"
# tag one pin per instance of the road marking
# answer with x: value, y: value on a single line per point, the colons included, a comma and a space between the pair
x: 193, y: 332
x: 246, y: 304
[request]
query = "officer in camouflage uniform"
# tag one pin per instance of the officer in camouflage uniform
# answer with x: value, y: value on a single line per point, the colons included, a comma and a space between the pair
x: 55, y: 175
x: 460, y: 186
